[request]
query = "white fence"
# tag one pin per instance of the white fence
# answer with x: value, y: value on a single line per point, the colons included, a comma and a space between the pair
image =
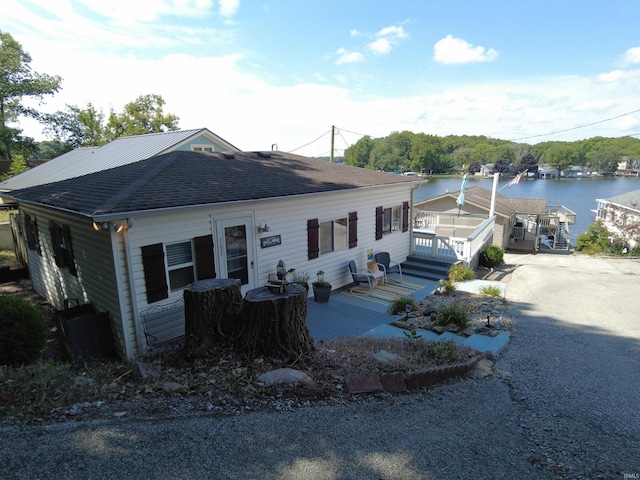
x: 428, y: 244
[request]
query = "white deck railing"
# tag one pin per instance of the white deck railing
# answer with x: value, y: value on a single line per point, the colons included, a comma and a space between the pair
x: 428, y: 244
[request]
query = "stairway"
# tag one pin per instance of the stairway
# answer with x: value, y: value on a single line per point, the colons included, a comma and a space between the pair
x: 425, y: 268
x: 561, y: 237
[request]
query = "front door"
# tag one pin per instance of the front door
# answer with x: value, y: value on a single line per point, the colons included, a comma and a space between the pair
x: 235, y: 250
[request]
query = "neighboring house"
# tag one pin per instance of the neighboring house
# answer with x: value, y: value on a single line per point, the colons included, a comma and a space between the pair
x: 521, y: 223
x: 129, y: 239
x: 575, y: 171
x: 620, y: 211
x: 121, y: 151
x: 545, y: 171
x: 487, y: 170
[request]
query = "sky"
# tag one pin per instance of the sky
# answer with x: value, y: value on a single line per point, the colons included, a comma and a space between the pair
x: 278, y: 74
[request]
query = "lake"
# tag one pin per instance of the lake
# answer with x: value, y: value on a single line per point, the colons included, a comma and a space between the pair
x: 577, y: 194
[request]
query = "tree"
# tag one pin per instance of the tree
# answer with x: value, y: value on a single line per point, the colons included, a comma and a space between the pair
x: 18, y: 165
x: 17, y: 80
x: 561, y: 155
x: 78, y: 127
x: 358, y: 154
x: 474, y: 167
x: 502, y: 166
x: 425, y: 153
x: 527, y: 164
x: 143, y: 115
x: 51, y: 149
x: 604, y: 160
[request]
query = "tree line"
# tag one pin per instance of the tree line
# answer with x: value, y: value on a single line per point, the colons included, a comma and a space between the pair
x: 73, y: 127
x: 420, y: 152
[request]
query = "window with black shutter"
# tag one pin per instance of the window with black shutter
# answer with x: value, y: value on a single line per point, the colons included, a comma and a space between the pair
x: 155, y: 276
x: 353, y: 229
x: 313, y: 238
x: 379, y: 222
x: 205, y: 265
x: 62, y: 247
x: 405, y: 216
x: 31, y: 232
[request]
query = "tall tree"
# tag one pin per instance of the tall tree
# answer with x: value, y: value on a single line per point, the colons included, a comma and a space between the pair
x: 17, y: 81
x: 143, y: 115
x: 358, y: 154
x: 78, y: 127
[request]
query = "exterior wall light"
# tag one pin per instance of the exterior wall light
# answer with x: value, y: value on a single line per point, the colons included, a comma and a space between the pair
x: 263, y: 227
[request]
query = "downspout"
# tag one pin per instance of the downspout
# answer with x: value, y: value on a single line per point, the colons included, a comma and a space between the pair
x: 122, y: 304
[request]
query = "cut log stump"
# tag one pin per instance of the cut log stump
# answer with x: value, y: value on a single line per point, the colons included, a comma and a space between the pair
x: 275, y: 324
x: 211, y: 312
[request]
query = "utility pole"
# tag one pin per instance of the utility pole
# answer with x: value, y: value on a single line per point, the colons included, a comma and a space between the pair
x: 333, y: 134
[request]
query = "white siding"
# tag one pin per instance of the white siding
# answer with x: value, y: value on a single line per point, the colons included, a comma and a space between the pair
x: 96, y: 281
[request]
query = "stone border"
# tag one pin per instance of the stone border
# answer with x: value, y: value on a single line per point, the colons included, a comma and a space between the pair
x: 401, y: 382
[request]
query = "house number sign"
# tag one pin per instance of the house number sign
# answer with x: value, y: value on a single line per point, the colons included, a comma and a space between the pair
x: 271, y: 241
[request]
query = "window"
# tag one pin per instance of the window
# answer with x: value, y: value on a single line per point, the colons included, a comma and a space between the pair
x: 333, y: 235
x: 31, y: 232
x: 180, y: 265
x: 392, y: 219
x: 203, y: 148
x: 62, y: 247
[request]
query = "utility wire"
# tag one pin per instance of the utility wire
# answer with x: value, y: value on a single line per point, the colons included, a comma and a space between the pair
x: 307, y: 144
x: 574, y: 128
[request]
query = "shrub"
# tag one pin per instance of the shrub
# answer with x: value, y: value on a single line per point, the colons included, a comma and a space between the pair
x: 399, y: 305
x: 491, y: 291
x: 23, y: 332
x: 447, y: 286
x: 595, y: 240
x: 460, y: 273
x: 492, y: 256
x: 454, y: 312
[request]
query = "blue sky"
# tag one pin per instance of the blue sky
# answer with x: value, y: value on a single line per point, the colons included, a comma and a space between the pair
x: 282, y: 72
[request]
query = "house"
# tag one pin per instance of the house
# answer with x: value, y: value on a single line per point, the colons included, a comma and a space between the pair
x: 575, y: 171
x: 121, y: 151
x: 130, y: 238
x: 619, y: 212
x: 546, y: 171
x: 521, y: 223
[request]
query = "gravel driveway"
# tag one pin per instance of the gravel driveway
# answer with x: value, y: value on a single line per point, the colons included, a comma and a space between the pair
x: 562, y: 403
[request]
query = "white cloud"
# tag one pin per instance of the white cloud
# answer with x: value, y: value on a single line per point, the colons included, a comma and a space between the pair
x: 345, y: 56
x: 228, y: 8
x: 451, y: 50
x: 631, y: 56
x: 355, y: 33
x: 386, y: 39
x: 612, y: 76
x: 594, y: 106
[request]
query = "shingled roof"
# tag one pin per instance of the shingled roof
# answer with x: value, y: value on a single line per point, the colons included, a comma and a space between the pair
x: 180, y: 178
x: 506, y: 206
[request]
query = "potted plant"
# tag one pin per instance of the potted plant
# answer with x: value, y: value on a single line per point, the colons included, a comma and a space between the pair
x: 299, y: 278
x: 321, y: 288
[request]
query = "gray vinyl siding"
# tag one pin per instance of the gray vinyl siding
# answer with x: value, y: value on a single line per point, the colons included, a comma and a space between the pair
x: 96, y: 280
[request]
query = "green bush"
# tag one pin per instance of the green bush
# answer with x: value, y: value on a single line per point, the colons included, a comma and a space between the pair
x: 492, y: 256
x: 595, y: 240
x: 23, y: 332
x: 399, y: 305
x: 460, y: 273
x: 454, y: 312
x: 491, y: 291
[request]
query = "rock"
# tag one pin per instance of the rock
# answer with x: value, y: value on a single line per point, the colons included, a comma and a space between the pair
x: 452, y: 328
x: 170, y: 386
x: 385, y: 358
x: 483, y: 369
x: 284, y: 376
x: 146, y: 372
x: 437, y: 329
x: 365, y: 383
x: 469, y: 331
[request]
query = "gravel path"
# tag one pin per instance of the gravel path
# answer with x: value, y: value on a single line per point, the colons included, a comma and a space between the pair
x: 563, y: 403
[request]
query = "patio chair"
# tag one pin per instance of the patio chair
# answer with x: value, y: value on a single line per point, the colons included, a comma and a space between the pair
x: 387, y: 265
x: 359, y: 277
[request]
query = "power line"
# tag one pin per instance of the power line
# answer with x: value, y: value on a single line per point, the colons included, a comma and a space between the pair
x: 307, y: 144
x: 574, y: 128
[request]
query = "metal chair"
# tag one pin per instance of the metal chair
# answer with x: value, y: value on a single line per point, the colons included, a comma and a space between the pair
x: 359, y: 277
x: 387, y: 265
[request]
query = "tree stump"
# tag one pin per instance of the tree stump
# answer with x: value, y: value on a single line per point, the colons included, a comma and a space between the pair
x: 211, y: 310
x: 275, y: 324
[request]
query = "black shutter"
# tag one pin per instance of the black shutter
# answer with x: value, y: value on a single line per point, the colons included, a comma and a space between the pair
x: 405, y: 216
x: 379, y: 222
x: 56, y: 243
x: 67, y: 251
x: 313, y: 238
x: 353, y: 229
x: 31, y: 232
x: 205, y: 266
x: 155, y: 276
